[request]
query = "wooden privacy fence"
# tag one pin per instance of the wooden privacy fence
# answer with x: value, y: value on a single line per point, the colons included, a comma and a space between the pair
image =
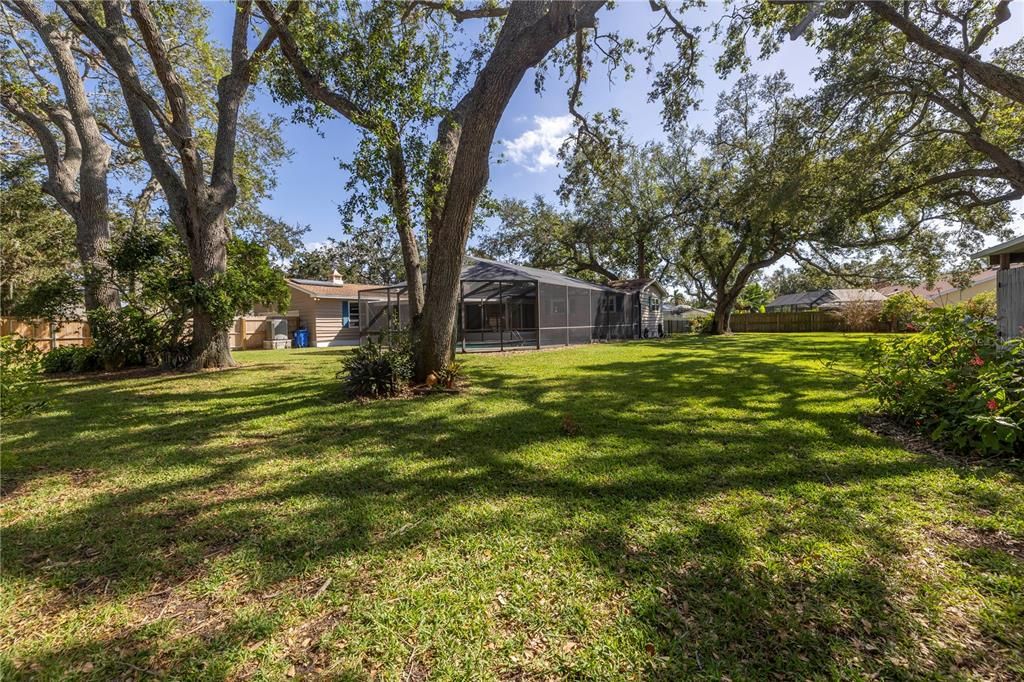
x: 48, y: 335
x: 773, y: 323
x: 815, y: 321
x: 247, y: 333
x: 809, y: 321
x: 1010, y: 302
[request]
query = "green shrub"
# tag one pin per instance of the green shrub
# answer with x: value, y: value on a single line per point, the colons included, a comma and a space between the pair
x: 127, y: 337
x: 904, y: 311
x: 449, y: 375
x: 21, y: 391
x: 701, y: 324
x: 75, y: 359
x: 954, y: 381
x: 377, y: 371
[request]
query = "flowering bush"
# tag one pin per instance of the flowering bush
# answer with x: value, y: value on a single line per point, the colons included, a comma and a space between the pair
x: 954, y: 380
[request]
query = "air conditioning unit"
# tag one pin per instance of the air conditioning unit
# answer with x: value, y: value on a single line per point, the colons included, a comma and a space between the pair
x: 277, y: 333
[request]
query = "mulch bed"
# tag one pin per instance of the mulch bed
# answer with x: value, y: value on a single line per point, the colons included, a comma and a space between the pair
x: 917, y: 442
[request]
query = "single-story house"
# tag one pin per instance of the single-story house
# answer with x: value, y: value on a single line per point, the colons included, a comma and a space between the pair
x: 506, y: 307
x: 823, y: 299
x: 330, y: 309
x: 1008, y: 257
x: 683, y: 312
x: 944, y: 292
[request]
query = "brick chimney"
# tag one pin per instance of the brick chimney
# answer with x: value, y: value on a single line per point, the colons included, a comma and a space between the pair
x: 336, y: 278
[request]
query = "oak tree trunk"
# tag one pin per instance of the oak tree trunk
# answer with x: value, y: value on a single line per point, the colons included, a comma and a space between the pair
x: 722, y: 314
x: 406, y: 232
x: 530, y: 31
x: 209, y: 257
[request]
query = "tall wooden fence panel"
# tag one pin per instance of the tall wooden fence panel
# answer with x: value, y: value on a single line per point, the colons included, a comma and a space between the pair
x: 48, y: 335
x: 249, y: 332
x: 1010, y: 302
x: 815, y: 321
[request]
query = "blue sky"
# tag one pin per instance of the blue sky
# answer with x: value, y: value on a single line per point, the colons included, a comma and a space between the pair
x: 311, y: 184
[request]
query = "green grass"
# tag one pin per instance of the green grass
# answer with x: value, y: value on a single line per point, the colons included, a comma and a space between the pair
x: 694, y: 508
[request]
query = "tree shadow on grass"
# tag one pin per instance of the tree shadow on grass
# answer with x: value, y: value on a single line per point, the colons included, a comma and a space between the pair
x: 274, y: 472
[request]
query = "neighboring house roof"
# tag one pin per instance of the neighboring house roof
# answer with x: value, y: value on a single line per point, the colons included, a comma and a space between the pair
x: 939, y: 288
x: 920, y: 290
x: 684, y: 311
x: 319, y: 289
x: 826, y: 297
x: 943, y: 288
x: 631, y: 286
x: 807, y: 298
x: 852, y: 295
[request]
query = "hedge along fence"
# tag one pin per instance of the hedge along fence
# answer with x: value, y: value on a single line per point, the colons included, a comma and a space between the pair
x: 48, y: 335
x: 810, y: 321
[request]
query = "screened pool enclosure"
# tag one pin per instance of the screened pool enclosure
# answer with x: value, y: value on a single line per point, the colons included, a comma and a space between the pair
x: 509, y: 307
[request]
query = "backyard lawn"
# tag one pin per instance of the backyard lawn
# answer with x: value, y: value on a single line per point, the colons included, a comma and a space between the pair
x: 692, y: 508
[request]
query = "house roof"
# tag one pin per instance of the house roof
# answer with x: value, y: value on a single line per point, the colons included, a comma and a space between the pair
x: 1015, y: 245
x: 825, y: 297
x: 939, y: 288
x: 799, y: 298
x: 634, y: 285
x: 320, y: 289
x: 851, y: 295
x: 483, y: 269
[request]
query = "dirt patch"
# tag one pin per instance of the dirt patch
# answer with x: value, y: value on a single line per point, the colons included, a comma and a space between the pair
x: 982, y: 538
x: 908, y: 438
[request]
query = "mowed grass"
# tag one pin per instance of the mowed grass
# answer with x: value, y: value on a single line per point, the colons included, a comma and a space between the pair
x: 691, y: 508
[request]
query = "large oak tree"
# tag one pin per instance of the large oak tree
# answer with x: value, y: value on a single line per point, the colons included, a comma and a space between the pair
x: 525, y: 34
x: 199, y: 186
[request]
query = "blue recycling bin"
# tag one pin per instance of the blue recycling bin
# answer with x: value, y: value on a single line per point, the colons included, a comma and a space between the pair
x: 300, y: 339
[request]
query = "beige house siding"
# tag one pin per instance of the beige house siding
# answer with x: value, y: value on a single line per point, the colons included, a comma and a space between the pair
x: 307, y: 308
x: 955, y: 296
x: 329, y: 324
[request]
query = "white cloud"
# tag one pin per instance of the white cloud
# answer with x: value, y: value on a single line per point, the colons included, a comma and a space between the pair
x: 536, y: 150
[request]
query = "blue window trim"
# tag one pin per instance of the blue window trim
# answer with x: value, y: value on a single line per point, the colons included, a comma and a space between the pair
x: 345, y: 319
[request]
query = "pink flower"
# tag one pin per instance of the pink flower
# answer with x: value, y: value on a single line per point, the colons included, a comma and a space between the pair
x: 992, y: 405
x: 977, y: 361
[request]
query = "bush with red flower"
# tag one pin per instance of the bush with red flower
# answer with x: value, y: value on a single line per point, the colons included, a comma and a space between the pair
x: 954, y: 380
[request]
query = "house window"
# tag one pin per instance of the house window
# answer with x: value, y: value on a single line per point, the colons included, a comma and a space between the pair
x: 652, y: 303
x: 556, y: 306
x: 349, y: 314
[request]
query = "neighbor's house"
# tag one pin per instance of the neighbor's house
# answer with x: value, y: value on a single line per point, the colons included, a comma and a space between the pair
x: 822, y: 299
x: 330, y: 310
x: 508, y: 307
x: 1008, y: 257
x: 943, y: 292
x: 646, y: 296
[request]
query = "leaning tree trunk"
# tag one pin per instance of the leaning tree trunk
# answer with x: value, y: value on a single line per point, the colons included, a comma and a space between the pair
x: 406, y: 233
x: 462, y: 157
